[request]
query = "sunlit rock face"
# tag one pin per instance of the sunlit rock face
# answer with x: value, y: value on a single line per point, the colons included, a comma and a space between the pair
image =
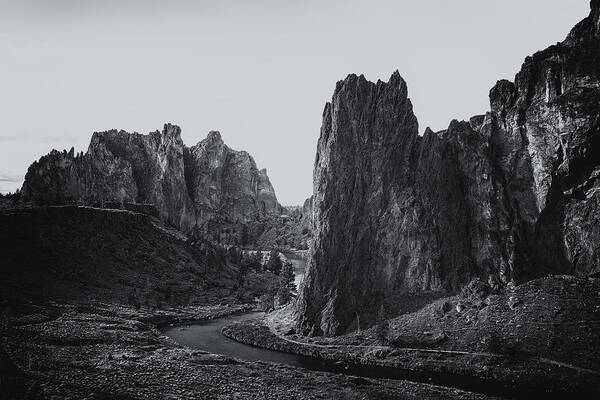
x: 188, y: 186
x: 306, y: 218
x: 507, y: 196
x: 226, y: 183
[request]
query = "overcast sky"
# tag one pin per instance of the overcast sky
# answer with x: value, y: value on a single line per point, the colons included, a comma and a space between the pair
x: 258, y: 71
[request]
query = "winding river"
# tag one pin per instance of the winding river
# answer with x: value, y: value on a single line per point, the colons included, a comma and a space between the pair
x: 206, y: 336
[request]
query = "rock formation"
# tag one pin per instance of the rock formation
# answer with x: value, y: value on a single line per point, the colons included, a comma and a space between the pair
x: 307, y: 214
x: 292, y: 230
x: 188, y: 186
x: 507, y: 196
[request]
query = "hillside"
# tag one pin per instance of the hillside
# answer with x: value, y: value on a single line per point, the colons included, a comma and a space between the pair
x: 84, y: 253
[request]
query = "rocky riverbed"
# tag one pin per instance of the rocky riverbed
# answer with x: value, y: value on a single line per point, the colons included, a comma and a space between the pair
x: 109, y: 351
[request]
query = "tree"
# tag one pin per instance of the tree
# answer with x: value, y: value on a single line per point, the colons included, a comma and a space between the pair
x: 382, y: 324
x: 274, y: 264
x: 157, y: 300
x: 132, y: 299
x: 234, y: 254
x: 287, y: 287
x: 243, y: 272
x: 259, y: 260
x: 244, y: 236
x: 251, y: 261
x: 267, y: 300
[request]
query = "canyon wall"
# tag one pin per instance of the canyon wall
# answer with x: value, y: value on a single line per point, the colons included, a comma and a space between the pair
x: 188, y: 186
x: 507, y: 196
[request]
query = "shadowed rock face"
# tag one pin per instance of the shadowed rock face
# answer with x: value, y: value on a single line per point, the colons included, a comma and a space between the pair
x: 508, y: 196
x: 189, y: 186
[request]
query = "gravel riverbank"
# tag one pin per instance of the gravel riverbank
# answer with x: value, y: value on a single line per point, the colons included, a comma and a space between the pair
x: 107, y: 351
x: 493, y: 374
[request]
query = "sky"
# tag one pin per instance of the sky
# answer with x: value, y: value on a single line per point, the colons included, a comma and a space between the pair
x: 260, y: 72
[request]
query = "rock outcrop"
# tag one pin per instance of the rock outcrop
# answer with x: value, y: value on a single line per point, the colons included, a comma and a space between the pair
x: 306, y: 216
x: 507, y: 196
x: 291, y: 230
x: 188, y: 186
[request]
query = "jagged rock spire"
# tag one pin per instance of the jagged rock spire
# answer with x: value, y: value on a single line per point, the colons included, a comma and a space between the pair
x: 500, y: 197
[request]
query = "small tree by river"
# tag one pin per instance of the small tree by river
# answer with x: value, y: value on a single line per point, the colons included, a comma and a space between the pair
x: 287, y: 287
x: 382, y: 324
x: 274, y: 264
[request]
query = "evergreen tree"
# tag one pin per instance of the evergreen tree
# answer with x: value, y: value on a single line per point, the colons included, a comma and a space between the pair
x: 251, y: 261
x: 274, y: 264
x: 244, y: 236
x: 267, y: 300
x: 382, y: 324
x: 258, y: 260
x: 243, y: 272
x: 287, y: 287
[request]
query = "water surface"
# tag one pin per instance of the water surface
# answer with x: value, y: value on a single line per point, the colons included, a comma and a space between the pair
x: 206, y: 335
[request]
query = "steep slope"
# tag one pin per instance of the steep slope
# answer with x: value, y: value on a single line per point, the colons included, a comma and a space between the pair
x: 188, y: 186
x: 82, y: 253
x: 507, y: 197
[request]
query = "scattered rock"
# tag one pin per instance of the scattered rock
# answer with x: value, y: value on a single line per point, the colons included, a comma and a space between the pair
x: 290, y: 331
x: 446, y: 307
x: 513, y: 302
x: 476, y: 289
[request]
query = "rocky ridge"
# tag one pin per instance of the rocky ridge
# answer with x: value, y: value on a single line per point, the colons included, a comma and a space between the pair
x: 507, y: 196
x: 188, y: 186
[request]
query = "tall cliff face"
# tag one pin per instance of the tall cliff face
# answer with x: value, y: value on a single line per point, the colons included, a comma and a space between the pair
x: 508, y: 196
x: 306, y: 216
x: 144, y: 168
x: 189, y: 186
x: 226, y: 183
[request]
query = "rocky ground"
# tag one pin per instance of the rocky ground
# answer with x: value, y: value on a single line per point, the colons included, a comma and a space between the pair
x: 540, y: 337
x: 108, y: 351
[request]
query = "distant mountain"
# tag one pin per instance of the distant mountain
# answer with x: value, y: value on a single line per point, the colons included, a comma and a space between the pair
x: 188, y: 185
x: 507, y: 196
